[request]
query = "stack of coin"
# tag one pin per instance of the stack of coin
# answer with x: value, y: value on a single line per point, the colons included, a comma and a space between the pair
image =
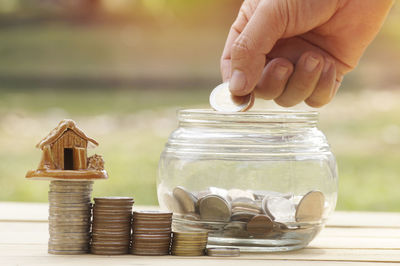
x: 69, y: 216
x: 151, y: 232
x: 111, y: 227
x: 191, y: 243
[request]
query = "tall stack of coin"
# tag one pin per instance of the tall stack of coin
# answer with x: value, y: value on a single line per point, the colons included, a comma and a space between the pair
x: 151, y: 232
x: 69, y: 216
x: 111, y: 228
x: 191, y: 243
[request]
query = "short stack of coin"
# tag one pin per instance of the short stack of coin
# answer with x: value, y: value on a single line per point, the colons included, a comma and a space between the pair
x: 191, y: 243
x: 151, y: 233
x: 111, y: 227
x: 69, y: 217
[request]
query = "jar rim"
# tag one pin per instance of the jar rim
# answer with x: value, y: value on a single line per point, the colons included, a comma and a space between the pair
x: 257, y: 116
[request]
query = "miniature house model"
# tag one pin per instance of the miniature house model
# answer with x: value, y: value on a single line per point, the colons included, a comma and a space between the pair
x: 65, y: 155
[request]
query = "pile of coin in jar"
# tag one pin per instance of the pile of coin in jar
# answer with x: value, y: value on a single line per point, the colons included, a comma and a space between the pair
x: 69, y: 217
x: 244, y: 213
x: 111, y: 226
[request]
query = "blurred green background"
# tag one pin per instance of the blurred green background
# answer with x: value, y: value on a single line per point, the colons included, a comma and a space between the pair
x: 121, y: 68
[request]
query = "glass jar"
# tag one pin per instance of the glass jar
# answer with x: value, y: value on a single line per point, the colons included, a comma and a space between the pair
x: 260, y: 181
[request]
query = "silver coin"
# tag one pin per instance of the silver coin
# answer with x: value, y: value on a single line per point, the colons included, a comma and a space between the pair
x: 214, y: 208
x: 186, y: 199
x: 279, y: 209
x: 310, y: 207
x: 222, y: 100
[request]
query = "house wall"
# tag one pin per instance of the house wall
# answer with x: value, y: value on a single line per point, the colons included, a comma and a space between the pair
x: 68, y: 140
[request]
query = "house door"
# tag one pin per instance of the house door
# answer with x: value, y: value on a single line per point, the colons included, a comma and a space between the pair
x: 68, y: 159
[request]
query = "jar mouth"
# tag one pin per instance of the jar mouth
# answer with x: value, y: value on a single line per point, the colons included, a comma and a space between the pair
x: 264, y: 116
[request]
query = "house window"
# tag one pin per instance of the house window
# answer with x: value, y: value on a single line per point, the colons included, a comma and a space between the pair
x: 68, y: 159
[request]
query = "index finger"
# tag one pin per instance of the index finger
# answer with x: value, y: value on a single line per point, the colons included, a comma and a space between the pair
x: 237, y: 27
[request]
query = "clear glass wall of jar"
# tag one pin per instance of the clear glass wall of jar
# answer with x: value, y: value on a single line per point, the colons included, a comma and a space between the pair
x: 260, y: 181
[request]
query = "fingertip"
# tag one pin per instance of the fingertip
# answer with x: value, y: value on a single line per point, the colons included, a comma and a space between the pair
x: 238, y: 83
x: 315, y: 104
x: 284, y: 103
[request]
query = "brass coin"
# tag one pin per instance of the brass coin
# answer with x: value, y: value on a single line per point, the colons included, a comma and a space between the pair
x: 310, y: 207
x: 188, y: 253
x: 190, y: 233
x: 222, y: 100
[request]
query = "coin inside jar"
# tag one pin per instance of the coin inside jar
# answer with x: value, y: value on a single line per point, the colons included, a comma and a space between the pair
x: 279, y: 209
x: 222, y: 100
x: 260, y: 225
x: 186, y: 199
x: 215, y: 208
x: 311, y: 207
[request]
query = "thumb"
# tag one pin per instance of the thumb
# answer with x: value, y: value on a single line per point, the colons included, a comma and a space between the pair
x: 255, y: 39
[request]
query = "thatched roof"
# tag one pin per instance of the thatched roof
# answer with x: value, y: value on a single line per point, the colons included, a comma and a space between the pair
x: 63, y: 126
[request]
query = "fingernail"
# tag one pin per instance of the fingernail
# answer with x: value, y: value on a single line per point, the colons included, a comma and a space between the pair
x: 280, y: 72
x: 327, y: 66
x: 238, y: 81
x: 311, y: 63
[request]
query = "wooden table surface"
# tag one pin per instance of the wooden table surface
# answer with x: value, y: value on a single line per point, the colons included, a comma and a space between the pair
x: 350, y: 238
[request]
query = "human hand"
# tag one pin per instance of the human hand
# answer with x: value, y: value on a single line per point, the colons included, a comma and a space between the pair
x: 298, y: 50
